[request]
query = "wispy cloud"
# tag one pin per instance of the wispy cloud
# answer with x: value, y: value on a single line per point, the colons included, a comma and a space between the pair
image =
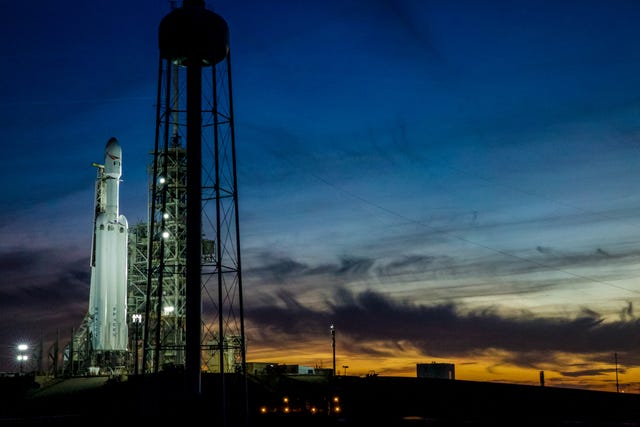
x: 448, y: 331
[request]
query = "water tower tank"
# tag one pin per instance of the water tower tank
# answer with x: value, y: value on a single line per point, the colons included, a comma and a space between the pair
x: 192, y: 34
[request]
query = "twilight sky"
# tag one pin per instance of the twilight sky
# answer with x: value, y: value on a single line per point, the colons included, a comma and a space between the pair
x: 444, y: 181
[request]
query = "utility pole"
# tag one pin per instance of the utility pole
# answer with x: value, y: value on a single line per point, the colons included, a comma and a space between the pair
x: 333, y: 346
x: 615, y: 356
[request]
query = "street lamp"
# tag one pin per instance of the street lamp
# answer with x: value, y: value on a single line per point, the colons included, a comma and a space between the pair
x: 333, y: 345
x: 345, y: 369
x: 22, y: 357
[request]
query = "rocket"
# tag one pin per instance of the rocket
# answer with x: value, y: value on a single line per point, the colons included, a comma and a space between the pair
x: 108, y: 293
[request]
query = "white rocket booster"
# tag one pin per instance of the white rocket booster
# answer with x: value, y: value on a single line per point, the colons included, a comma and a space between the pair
x: 108, y: 293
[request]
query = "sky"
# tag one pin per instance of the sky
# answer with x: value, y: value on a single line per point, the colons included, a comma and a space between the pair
x: 451, y: 182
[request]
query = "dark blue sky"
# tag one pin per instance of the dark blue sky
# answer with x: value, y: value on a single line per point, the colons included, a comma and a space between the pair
x: 452, y: 181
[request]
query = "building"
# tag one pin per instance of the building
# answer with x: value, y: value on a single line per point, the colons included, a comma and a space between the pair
x: 445, y: 371
x: 267, y: 368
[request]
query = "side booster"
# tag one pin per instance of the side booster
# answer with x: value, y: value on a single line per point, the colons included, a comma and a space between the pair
x: 108, y: 293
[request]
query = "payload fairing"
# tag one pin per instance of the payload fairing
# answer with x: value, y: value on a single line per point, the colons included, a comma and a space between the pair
x: 108, y: 293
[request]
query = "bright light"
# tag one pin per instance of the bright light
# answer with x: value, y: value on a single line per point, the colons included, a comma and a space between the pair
x: 137, y: 318
x: 23, y: 357
x: 263, y: 409
x: 165, y: 234
x: 168, y: 309
x: 336, y: 408
x: 23, y: 347
x: 165, y: 215
x: 162, y: 180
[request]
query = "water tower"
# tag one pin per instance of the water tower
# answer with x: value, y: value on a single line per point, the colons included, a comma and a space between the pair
x: 193, y: 313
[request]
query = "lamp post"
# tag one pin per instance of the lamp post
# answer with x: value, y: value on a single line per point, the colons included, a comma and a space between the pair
x: 137, y: 319
x: 22, y: 357
x: 333, y: 346
x: 345, y: 369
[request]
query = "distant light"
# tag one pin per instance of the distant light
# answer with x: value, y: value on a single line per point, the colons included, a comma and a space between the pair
x: 23, y: 357
x: 168, y: 309
x: 162, y: 180
x: 165, y: 234
x: 23, y: 347
x: 137, y: 318
x: 165, y: 215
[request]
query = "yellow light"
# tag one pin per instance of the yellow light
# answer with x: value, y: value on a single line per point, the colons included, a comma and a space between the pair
x: 285, y: 399
x: 263, y: 409
x: 313, y: 410
x: 336, y: 409
x: 286, y: 410
x: 336, y: 399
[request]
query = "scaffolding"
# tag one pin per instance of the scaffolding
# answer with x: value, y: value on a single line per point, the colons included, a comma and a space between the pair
x: 166, y: 298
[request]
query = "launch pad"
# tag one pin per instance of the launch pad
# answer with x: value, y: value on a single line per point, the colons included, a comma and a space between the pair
x: 180, y: 308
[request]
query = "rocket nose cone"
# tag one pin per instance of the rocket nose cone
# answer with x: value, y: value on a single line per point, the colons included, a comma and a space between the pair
x: 113, y: 159
x: 113, y: 149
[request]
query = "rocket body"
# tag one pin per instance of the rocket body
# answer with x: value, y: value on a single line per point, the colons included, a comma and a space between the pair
x: 108, y: 293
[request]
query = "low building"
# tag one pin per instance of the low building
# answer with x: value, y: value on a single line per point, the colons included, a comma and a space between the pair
x: 266, y: 368
x: 445, y: 371
x: 260, y: 368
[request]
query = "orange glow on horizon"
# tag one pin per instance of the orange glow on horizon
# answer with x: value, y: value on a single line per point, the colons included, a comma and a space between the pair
x: 489, y: 367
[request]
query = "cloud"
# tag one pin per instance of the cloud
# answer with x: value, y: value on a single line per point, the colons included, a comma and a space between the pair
x: 377, y: 325
x: 42, y: 292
